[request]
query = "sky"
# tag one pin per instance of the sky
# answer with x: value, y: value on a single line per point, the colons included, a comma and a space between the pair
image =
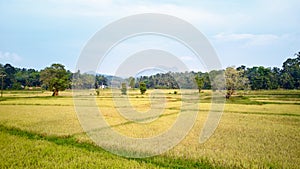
x: 35, y: 34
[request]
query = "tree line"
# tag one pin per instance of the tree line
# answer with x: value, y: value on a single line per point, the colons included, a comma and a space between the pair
x: 257, y: 77
x: 57, y: 78
x: 54, y: 78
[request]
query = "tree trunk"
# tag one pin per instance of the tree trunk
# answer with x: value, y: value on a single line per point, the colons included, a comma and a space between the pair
x: 55, y: 92
x: 229, y: 93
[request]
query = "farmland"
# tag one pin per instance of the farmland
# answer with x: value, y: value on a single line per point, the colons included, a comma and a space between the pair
x: 258, y: 129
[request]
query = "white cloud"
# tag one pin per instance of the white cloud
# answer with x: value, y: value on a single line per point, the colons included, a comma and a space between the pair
x: 117, y: 9
x: 248, y: 39
x: 209, y: 16
x: 187, y: 58
x: 9, y: 57
x: 259, y: 26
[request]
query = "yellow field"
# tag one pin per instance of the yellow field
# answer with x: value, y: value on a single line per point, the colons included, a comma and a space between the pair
x: 250, y: 134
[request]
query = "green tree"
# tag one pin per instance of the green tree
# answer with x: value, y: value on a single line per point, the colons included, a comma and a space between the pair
x: 263, y: 78
x: 124, y: 89
x: 10, y: 79
x: 101, y: 81
x: 200, y: 82
x: 132, y: 82
x: 216, y: 78
x: 77, y: 80
x: 55, y: 78
x: 88, y: 80
x: 143, y: 87
x: 235, y: 81
x: 291, y: 73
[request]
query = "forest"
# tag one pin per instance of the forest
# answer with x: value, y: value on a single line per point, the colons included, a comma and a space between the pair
x: 257, y: 77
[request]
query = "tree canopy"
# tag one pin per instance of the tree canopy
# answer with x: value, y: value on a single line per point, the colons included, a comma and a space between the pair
x: 199, y: 82
x: 55, y: 78
x: 235, y: 81
x: 143, y: 87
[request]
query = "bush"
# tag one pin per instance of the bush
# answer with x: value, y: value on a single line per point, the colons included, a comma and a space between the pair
x: 124, y: 89
x: 143, y: 87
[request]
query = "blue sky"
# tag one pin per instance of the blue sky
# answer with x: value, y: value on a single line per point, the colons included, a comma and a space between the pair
x: 35, y: 34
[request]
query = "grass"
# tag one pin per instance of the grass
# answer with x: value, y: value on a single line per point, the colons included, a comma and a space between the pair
x: 27, y: 150
x: 258, y: 130
x: 51, y: 146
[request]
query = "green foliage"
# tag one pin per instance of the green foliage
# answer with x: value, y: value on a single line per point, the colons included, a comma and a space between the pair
x: 216, y: 80
x: 143, y: 87
x: 263, y: 78
x: 55, y: 78
x: 132, y: 82
x: 287, y: 77
x: 17, y: 86
x: 163, y: 81
x: 124, y: 88
x: 17, y: 78
x: 291, y: 73
x: 88, y: 81
x: 199, y: 82
x: 101, y: 81
x: 85, y: 81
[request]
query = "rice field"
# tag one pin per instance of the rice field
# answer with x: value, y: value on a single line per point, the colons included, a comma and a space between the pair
x: 259, y: 129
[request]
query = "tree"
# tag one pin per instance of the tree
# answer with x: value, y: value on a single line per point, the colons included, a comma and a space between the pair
x: 132, y: 82
x: 77, y: 80
x: 235, y: 81
x: 124, y: 89
x: 26, y: 78
x: 88, y: 80
x: 143, y: 87
x: 291, y: 73
x: 216, y: 78
x: 263, y: 78
x: 101, y: 81
x: 9, y: 71
x: 55, y: 78
x: 199, y: 82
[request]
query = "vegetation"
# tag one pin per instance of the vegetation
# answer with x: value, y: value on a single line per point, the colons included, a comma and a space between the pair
x: 55, y: 78
x: 17, y: 78
x: 199, y: 82
x: 257, y: 130
x: 132, y: 82
x: 260, y: 78
x: 124, y: 88
x: 235, y: 81
x: 291, y: 73
x: 143, y: 87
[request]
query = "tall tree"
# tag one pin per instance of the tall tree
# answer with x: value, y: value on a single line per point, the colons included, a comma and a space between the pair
x: 10, y: 79
x: 216, y: 79
x: 200, y: 82
x: 263, y: 78
x: 143, y: 87
x: 88, y: 81
x: 235, y: 81
x: 291, y: 73
x: 132, y: 82
x: 124, y: 88
x: 101, y: 81
x: 55, y: 78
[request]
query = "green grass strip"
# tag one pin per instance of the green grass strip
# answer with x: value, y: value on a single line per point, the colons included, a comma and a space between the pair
x: 159, y: 161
